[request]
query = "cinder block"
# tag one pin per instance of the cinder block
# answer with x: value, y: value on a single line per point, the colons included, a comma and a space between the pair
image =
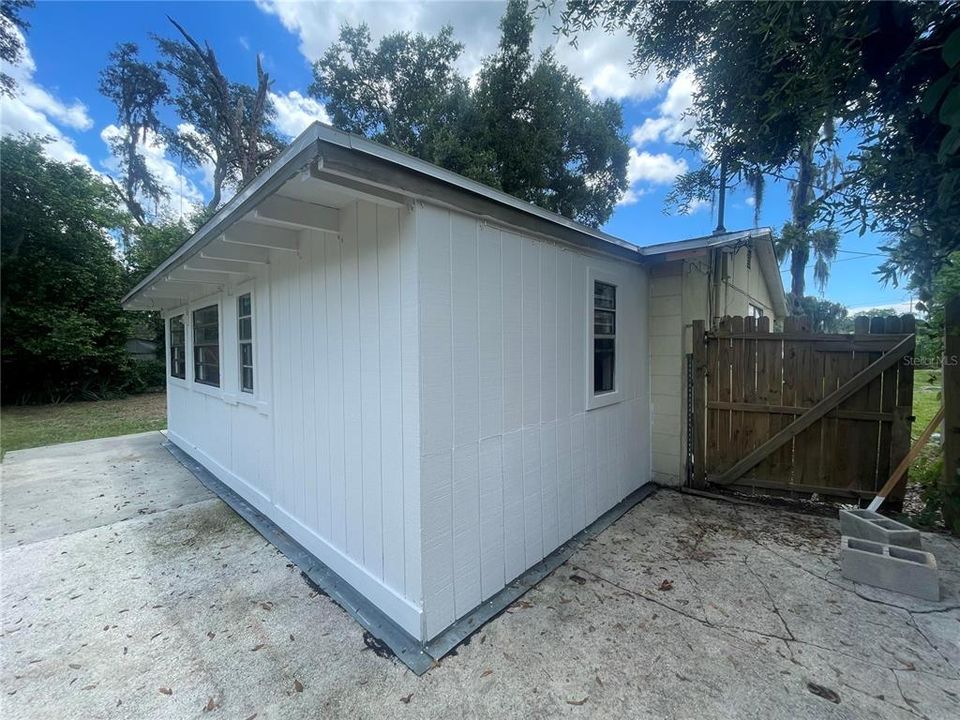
x: 891, y: 567
x: 870, y: 525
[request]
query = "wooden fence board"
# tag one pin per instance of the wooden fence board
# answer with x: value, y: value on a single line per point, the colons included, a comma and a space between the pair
x: 756, y: 384
x: 888, y: 402
x: 724, y: 355
x: 769, y: 391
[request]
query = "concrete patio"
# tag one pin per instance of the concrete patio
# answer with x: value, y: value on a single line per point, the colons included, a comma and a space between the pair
x: 129, y: 591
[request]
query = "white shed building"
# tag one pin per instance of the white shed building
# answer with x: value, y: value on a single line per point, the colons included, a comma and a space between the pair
x: 428, y: 384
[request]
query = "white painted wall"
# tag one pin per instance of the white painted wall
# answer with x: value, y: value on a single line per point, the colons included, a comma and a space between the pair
x: 419, y: 422
x: 328, y: 446
x: 512, y: 462
x: 667, y: 288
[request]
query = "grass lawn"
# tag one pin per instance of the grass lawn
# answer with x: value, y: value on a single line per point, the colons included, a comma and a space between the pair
x: 926, y: 397
x: 35, y: 425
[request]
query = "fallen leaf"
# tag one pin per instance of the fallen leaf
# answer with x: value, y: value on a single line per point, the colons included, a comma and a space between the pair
x: 576, y: 702
x: 665, y: 585
x: 485, y: 673
x: 267, y: 605
x: 824, y: 692
x: 211, y: 635
x: 406, y: 700
x: 210, y: 706
x: 166, y: 691
x: 258, y: 647
x: 75, y: 666
x: 599, y: 681
x: 297, y: 685
x: 578, y: 580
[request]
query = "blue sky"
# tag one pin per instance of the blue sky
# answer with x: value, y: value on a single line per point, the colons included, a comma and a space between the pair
x: 68, y: 43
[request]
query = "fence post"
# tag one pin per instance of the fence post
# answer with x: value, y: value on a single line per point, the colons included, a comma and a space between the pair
x: 950, y: 483
x: 699, y: 404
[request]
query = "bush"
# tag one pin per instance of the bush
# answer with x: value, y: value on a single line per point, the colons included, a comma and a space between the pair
x: 63, y: 332
x: 926, y: 472
x: 145, y: 376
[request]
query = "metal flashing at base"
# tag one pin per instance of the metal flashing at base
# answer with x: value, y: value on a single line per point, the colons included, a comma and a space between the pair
x: 416, y: 656
x: 487, y: 611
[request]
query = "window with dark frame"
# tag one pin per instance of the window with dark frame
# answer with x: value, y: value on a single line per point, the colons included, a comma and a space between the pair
x: 604, y: 336
x: 206, y: 346
x: 178, y: 348
x: 245, y: 341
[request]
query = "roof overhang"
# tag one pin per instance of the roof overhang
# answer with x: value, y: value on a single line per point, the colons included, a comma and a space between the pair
x: 322, y: 162
x: 760, y: 239
x: 325, y: 168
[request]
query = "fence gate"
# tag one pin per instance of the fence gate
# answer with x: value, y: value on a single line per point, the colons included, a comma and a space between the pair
x: 799, y: 411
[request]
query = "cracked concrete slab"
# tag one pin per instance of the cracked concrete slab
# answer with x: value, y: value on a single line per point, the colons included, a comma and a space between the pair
x: 684, y: 608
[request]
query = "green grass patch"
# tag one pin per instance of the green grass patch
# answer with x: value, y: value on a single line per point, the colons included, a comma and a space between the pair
x: 35, y: 425
x: 927, y: 386
x: 924, y: 475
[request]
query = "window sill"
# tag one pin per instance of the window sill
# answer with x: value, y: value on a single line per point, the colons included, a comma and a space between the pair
x: 210, y: 390
x: 604, y: 399
x: 176, y: 382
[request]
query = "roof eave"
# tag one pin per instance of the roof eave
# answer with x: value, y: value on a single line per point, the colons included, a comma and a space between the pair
x: 296, y: 156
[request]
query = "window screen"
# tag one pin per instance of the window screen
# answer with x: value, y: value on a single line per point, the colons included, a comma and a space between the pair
x: 206, y: 346
x: 604, y: 336
x: 245, y: 341
x: 178, y: 348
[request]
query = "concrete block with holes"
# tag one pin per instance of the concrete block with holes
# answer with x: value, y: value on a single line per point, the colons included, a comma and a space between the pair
x: 870, y: 525
x: 891, y: 567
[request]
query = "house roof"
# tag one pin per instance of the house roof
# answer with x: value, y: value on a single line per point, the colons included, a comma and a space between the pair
x: 761, y: 239
x: 343, y: 167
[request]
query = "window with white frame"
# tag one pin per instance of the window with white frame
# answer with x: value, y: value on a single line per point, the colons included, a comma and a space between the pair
x: 245, y: 341
x: 604, y: 337
x: 178, y: 348
x: 206, y: 345
x: 755, y: 311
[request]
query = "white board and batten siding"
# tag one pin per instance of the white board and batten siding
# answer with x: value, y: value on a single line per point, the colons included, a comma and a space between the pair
x: 512, y: 462
x: 419, y: 421
x: 333, y: 455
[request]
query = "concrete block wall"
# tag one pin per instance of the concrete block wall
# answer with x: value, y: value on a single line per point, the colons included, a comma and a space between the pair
x: 665, y: 317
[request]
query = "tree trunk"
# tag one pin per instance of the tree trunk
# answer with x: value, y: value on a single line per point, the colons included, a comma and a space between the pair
x: 802, y: 217
x: 950, y: 481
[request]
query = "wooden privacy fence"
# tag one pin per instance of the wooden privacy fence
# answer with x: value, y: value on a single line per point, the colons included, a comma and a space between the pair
x: 801, y: 411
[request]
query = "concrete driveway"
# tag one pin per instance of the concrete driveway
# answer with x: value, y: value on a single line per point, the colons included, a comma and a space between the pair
x: 128, y: 591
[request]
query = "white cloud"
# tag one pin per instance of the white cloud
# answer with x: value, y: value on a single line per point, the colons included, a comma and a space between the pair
x: 657, y: 169
x: 751, y: 201
x: 632, y: 195
x: 903, y: 307
x: 295, y: 112
x: 182, y: 193
x: 37, y: 111
x: 674, y: 122
x: 600, y: 59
